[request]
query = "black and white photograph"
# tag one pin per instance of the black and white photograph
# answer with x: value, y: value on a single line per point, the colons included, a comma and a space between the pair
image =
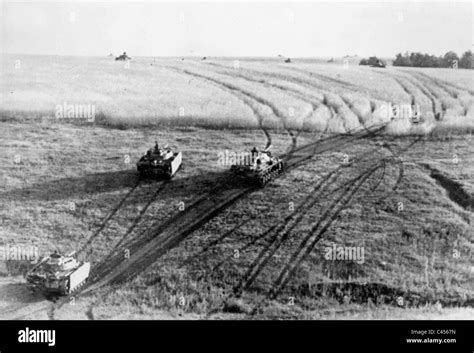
x: 232, y: 160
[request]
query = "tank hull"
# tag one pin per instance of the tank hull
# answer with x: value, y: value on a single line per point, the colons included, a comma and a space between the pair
x: 58, y: 283
x: 258, y: 177
x: 167, y: 169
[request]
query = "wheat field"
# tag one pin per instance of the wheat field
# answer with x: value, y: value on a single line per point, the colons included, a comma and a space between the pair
x: 236, y: 93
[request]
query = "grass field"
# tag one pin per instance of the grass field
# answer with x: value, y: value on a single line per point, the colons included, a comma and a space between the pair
x: 220, y: 93
x: 404, y: 195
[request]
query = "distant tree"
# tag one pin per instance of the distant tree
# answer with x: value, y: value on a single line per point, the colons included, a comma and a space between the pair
x: 467, y: 60
x: 430, y: 61
x: 402, y: 60
x: 450, y: 58
x: 418, y: 59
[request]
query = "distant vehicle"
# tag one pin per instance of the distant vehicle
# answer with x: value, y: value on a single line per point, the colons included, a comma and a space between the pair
x: 379, y: 63
x: 123, y: 57
x: 159, y: 162
x: 262, y: 167
x: 58, y: 274
x: 288, y: 60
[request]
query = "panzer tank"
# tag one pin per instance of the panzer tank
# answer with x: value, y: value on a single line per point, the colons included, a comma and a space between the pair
x: 159, y: 162
x: 58, y: 274
x: 260, y: 168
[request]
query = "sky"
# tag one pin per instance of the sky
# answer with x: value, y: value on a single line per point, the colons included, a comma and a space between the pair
x: 306, y: 29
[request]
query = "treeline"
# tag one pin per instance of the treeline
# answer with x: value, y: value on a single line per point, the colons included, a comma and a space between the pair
x: 450, y: 59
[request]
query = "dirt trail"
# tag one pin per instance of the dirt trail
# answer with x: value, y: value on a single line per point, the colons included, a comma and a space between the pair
x: 179, y: 227
x: 176, y: 229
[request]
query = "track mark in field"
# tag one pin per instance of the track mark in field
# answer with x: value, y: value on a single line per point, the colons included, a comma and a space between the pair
x: 243, y: 96
x: 148, y: 250
x: 446, y: 88
x: 428, y: 79
x: 280, y: 233
x: 355, y: 184
x: 329, y: 79
x: 138, y: 218
x: 242, y: 249
x: 435, y: 103
x: 109, y: 216
x: 437, y: 106
x: 454, y: 190
x: 294, y: 93
x: 274, y: 109
x: 281, y: 225
x: 335, y: 109
x: 359, y: 116
x: 310, y: 241
x: 447, y: 84
x: 405, y: 89
x: 169, y: 234
x: 289, y: 78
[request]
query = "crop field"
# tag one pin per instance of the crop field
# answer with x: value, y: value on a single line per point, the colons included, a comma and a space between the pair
x: 206, y: 245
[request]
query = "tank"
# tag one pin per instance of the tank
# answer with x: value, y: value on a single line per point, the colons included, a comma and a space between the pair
x: 260, y: 168
x: 159, y: 162
x: 58, y: 274
x: 123, y: 57
x: 379, y: 63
